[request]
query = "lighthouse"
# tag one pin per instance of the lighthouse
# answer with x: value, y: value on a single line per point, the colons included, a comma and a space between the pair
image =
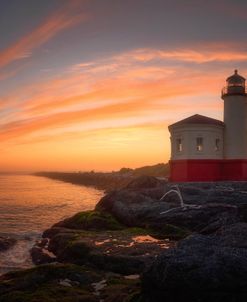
x: 235, y: 117
x: 206, y: 149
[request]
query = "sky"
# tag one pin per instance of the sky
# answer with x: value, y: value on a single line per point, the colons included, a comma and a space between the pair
x: 93, y: 84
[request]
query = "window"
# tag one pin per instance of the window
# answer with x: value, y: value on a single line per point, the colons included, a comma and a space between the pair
x: 179, y: 146
x: 199, y: 143
x: 217, y: 144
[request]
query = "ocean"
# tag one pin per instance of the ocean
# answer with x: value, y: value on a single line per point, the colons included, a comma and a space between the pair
x: 31, y: 204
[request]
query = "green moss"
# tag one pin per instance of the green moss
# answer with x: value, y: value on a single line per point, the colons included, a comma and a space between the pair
x: 166, y: 231
x: 170, y: 231
x: 121, y: 289
x: 41, y: 284
x: 122, y: 281
x: 135, y: 297
x: 95, y: 220
x: 50, y: 293
x: 75, y: 252
x: 44, y: 273
x: 135, y: 231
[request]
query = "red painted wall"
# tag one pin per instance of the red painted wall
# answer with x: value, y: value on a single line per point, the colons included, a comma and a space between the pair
x: 207, y: 170
x: 234, y: 169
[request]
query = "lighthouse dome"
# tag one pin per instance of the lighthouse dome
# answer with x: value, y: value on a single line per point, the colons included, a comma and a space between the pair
x: 235, y: 85
x: 235, y: 79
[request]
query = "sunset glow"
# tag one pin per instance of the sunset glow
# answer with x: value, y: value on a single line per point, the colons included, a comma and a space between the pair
x: 94, y: 84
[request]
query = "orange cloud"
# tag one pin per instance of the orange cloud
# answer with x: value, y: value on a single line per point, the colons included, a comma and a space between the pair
x: 102, y: 104
x: 66, y: 17
x: 79, y: 97
x: 197, y: 55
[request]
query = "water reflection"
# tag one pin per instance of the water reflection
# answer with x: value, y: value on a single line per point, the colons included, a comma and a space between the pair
x: 31, y: 204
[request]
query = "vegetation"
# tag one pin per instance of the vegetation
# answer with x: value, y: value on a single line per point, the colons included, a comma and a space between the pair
x: 91, y: 220
x: 63, y: 283
x: 159, y: 170
x: 109, y: 180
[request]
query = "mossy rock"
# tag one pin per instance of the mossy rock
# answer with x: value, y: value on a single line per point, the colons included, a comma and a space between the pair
x: 91, y: 220
x: 120, y: 264
x: 45, y: 273
x: 43, y: 284
x: 75, y: 252
x: 50, y: 294
x: 169, y: 231
x: 121, y: 289
x: 136, y: 231
x: 60, y: 241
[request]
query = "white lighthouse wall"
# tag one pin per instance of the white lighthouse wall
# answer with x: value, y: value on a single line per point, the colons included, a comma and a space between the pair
x: 189, y: 134
x: 235, y: 118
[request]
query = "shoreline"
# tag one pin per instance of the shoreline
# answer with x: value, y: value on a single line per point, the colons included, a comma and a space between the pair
x: 125, y: 250
x: 100, y: 181
x: 30, y: 205
x: 108, y: 180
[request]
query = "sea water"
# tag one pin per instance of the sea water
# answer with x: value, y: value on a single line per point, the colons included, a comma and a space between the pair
x: 31, y: 204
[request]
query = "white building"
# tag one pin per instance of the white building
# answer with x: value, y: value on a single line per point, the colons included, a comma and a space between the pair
x: 206, y: 149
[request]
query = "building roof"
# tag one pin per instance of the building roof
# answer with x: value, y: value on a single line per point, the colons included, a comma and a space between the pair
x: 198, y: 119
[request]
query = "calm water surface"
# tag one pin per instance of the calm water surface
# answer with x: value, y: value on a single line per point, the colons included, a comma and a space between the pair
x: 29, y: 205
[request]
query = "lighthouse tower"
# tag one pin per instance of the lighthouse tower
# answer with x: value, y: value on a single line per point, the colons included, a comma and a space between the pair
x: 235, y: 117
x: 235, y: 134
x: 205, y: 149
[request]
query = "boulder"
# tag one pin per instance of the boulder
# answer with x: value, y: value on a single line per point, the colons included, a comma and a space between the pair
x: 125, y: 251
x: 41, y: 256
x: 234, y: 193
x: 65, y: 283
x: 6, y: 243
x: 90, y: 220
x: 145, y: 182
x: 234, y: 235
x: 135, y: 209
x: 206, y: 218
x: 203, y: 268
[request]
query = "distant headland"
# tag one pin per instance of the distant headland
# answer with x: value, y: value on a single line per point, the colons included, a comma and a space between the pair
x: 108, y: 180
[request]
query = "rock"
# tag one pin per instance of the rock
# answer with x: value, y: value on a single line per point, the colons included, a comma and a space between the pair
x: 91, y: 220
x: 203, y: 268
x: 56, y: 230
x: 124, y: 251
x: 41, y: 256
x: 43, y: 242
x: 234, y: 193
x: 6, y: 243
x: 135, y: 209
x: 234, y: 235
x: 132, y: 208
x: 198, y: 218
x: 145, y: 182
x: 76, y: 252
x: 65, y: 283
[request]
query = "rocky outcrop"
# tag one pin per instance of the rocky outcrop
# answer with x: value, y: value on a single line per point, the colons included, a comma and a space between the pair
x: 136, y: 230
x: 234, y: 193
x: 203, y: 268
x: 91, y: 220
x: 135, y: 209
x: 66, y: 283
x: 96, y: 238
